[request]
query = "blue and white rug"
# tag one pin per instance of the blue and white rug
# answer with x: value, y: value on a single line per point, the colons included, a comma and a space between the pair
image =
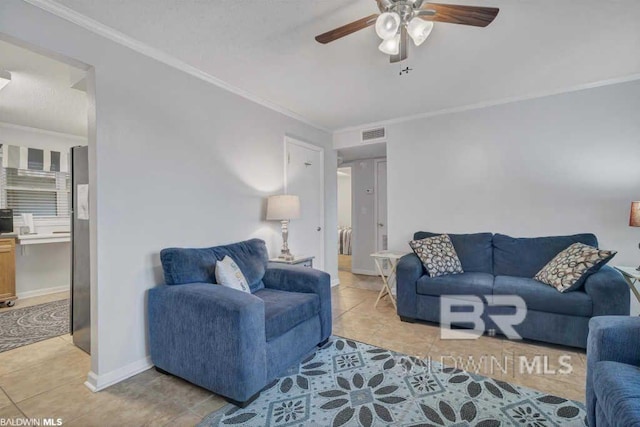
x: 348, y: 383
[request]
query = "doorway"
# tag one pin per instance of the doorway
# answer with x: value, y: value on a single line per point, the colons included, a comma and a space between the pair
x: 362, y: 219
x: 44, y: 104
x: 304, y: 177
x: 345, y: 231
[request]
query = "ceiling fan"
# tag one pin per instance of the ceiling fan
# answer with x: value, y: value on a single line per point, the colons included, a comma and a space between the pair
x: 400, y: 19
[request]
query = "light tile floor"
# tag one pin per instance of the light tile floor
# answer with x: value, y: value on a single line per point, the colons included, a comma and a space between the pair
x: 46, y: 379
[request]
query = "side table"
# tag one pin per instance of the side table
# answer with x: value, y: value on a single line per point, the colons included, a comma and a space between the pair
x: 632, y: 276
x: 387, y: 281
x: 301, y: 261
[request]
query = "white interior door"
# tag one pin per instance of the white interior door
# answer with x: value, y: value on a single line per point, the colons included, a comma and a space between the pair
x: 381, y: 205
x: 304, y: 176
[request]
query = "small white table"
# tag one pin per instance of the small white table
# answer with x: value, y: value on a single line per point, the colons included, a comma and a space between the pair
x: 387, y: 281
x: 632, y: 276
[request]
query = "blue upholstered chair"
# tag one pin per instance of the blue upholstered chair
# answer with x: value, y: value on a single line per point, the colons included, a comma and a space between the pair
x: 231, y: 342
x: 613, y: 371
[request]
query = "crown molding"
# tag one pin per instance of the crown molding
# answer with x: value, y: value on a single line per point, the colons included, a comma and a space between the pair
x: 118, y: 37
x: 22, y: 128
x: 480, y: 105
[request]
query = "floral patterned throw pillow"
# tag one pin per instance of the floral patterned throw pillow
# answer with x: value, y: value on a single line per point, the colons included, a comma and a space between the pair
x: 438, y: 255
x: 568, y: 270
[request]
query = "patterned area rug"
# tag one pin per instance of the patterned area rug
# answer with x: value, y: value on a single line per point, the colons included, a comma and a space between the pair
x: 24, y: 326
x: 348, y: 383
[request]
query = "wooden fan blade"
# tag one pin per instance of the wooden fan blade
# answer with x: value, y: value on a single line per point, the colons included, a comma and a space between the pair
x: 345, y: 30
x: 402, y: 54
x: 457, y: 14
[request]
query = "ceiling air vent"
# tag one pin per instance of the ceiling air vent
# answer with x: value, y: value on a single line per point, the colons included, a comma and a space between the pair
x: 374, y: 135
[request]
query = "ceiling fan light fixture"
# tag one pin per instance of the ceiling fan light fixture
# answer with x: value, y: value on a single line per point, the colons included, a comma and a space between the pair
x: 419, y: 30
x: 387, y: 25
x: 390, y: 46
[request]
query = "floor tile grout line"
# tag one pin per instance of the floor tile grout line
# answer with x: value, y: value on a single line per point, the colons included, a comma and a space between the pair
x: 12, y: 401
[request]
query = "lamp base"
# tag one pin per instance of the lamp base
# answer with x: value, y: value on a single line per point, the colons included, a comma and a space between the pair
x: 286, y: 257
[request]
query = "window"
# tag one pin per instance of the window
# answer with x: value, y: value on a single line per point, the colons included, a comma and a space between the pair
x: 44, y: 194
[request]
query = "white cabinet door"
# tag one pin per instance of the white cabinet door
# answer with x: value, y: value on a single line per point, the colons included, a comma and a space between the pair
x: 305, y: 178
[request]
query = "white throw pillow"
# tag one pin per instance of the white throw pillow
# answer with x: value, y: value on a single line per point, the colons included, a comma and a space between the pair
x: 229, y: 274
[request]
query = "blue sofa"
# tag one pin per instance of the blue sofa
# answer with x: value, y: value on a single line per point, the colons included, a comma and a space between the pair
x: 613, y: 372
x: 502, y: 265
x: 228, y: 341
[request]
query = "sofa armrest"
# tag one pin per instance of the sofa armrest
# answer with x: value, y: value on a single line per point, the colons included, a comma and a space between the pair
x: 609, y: 292
x: 210, y: 335
x: 408, y: 271
x: 611, y: 338
x: 294, y: 278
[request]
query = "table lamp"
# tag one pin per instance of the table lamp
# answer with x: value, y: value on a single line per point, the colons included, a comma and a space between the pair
x: 284, y: 208
x: 634, y: 218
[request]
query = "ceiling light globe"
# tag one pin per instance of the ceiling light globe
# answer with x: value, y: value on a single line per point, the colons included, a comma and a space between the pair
x: 387, y: 25
x: 390, y: 46
x: 419, y: 30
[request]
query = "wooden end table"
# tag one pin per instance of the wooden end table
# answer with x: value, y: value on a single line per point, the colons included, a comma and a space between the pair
x: 632, y: 276
x: 388, y: 281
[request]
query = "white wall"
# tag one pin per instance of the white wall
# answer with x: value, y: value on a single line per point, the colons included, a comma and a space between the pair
x: 557, y: 165
x: 344, y: 199
x: 177, y: 162
x: 43, y: 268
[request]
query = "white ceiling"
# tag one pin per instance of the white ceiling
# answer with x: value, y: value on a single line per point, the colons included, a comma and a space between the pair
x: 267, y: 48
x: 40, y: 93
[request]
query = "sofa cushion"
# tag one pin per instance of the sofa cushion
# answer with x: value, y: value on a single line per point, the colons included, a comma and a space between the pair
x: 525, y: 256
x: 617, y: 389
x: 475, y: 251
x: 540, y: 297
x: 283, y: 310
x: 568, y: 270
x: 182, y: 266
x: 457, y: 284
x: 438, y: 255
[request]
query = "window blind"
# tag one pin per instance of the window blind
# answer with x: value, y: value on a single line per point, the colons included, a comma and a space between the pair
x: 42, y: 193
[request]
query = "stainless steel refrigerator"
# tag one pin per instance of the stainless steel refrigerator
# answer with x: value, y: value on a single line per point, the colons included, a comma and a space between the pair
x: 80, y: 246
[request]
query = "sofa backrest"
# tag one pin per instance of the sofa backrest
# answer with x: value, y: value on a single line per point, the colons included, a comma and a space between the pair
x: 525, y: 256
x: 182, y: 266
x: 474, y: 250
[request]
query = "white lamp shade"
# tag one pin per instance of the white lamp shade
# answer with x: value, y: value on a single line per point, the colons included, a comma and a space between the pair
x: 419, y: 30
x: 390, y: 46
x: 5, y: 78
x: 387, y: 25
x: 283, y: 207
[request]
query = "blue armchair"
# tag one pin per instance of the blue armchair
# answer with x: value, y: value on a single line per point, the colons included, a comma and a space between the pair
x: 613, y: 371
x: 231, y: 342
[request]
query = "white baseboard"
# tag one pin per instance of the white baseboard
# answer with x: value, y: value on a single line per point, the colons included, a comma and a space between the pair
x: 365, y: 272
x: 335, y: 282
x: 97, y: 382
x: 45, y: 291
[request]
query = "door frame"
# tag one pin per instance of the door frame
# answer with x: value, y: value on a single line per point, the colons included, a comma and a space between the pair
x: 295, y: 141
x: 376, y: 188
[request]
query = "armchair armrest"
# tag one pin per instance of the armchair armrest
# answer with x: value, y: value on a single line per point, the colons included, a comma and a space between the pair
x: 210, y: 335
x: 611, y: 338
x: 408, y: 271
x: 307, y: 280
x: 609, y: 292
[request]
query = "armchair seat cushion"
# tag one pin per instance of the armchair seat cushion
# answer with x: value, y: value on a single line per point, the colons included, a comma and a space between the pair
x: 541, y: 297
x: 285, y: 310
x: 617, y: 388
x: 457, y: 284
